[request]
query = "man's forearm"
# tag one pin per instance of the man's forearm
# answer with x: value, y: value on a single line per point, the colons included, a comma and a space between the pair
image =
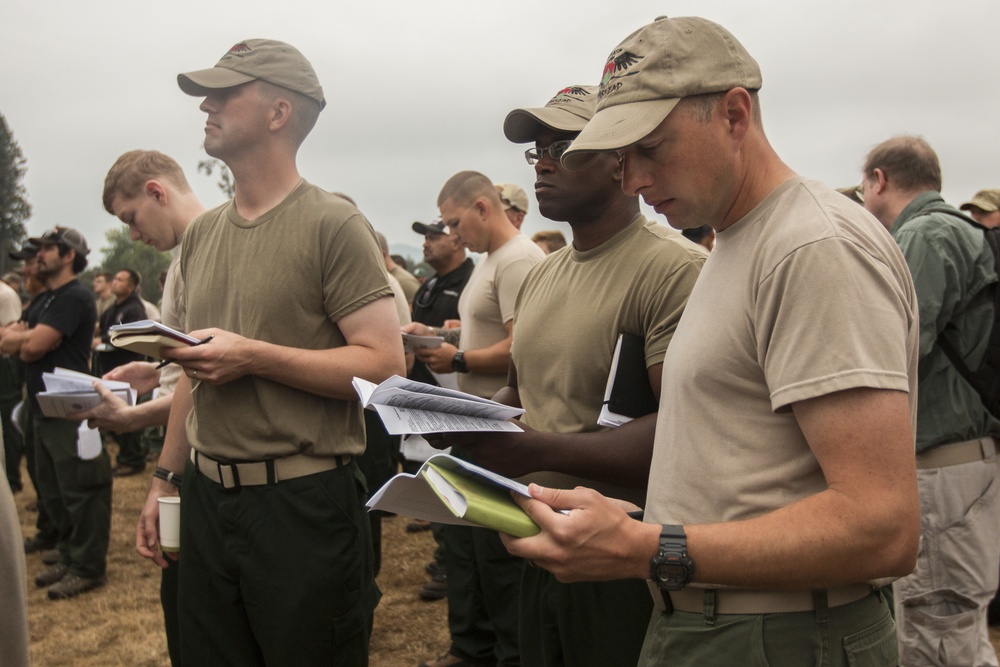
x: 176, y: 448
x: 325, y: 372
x: 618, y: 456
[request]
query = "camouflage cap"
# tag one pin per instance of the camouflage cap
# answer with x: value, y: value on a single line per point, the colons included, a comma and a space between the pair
x: 568, y: 111
x: 66, y: 236
x: 651, y: 71
x: 512, y: 196
x: 985, y: 200
x: 252, y: 59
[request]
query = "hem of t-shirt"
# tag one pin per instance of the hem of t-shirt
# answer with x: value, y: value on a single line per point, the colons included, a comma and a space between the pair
x: 828, y: 384
x: 360, y: 302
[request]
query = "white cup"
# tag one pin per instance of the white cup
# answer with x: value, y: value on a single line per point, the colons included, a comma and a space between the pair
x: 170, y: 523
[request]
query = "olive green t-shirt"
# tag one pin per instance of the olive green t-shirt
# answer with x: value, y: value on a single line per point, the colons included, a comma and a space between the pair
x: 285, y: 278
x: 570, y: 312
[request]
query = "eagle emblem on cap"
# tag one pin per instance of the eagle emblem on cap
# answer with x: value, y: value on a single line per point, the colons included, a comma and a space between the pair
x: 239, y: 48
x: 618, y: 63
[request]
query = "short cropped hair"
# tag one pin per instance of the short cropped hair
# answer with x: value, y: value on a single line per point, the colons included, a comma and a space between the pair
x: 305, y: 110
x: 133, y: 277
x: 131, y: 171
x: 703, y: 105
x: 554, y: 239
x: 908, y: 162
x: 466, y: 186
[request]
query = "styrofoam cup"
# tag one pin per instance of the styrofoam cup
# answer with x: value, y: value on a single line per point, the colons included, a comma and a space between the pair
x: 170, y: 523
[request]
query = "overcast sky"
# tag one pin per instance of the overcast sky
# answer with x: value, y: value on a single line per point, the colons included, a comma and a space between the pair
x: 418, y: 90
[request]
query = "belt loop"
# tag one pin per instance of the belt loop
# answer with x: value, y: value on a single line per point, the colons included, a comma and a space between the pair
x: 709, y: 598
x: 822, y: 604
x: 236, y: 475
x: 272, y: 476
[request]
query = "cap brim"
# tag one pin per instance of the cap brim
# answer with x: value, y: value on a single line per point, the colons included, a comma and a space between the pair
x: 981, y: 204
x: 522, y: 125
x: 204, y: 81
x: 616, y: 127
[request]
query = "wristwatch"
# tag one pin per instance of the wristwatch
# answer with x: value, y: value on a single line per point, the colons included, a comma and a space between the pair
x: 458, y: 362
x: 671, y: 568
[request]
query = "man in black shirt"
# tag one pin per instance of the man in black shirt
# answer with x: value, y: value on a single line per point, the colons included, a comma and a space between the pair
x: 126, y: 308
x: 75, y: 492
x: 437, y: 298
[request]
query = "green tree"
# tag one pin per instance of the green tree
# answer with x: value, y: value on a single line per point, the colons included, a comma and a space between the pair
x: 14, y: 207
x: 226, y: 183
x: 124, y: 253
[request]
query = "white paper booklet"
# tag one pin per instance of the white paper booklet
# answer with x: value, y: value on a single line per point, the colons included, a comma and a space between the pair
x: 69, y: 391
x: 413, y: 342
x: 407, y: 406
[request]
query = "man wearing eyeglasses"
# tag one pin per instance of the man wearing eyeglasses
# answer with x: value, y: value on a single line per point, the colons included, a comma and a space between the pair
x: 622, y: 275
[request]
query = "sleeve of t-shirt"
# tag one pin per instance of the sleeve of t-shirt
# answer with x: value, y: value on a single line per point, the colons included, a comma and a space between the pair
x: 353, y: 269
x: 831, y: 317
x: 661, y: 302
x: 66, y: 311
x: 509, y: 279
x: 10, y: 307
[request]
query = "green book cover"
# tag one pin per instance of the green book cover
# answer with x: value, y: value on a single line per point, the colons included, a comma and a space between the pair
x: 478, y: 502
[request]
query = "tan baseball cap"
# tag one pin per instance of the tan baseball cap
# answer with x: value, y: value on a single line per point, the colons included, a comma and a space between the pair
x: 265, y: 59
x: 568, y: 111
x: 985, y: 200
x: 512, y: 196
x: 651, y: 71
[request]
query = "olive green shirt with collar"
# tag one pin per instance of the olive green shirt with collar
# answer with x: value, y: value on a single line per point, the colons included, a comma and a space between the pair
x: 951, y: 266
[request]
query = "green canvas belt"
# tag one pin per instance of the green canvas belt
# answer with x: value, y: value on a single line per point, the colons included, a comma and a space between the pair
x: 260, y: 473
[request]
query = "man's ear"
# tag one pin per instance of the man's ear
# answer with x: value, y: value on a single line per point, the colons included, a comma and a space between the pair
x: 736, y: 107
x: 156, y: 190
x: 281, y: 113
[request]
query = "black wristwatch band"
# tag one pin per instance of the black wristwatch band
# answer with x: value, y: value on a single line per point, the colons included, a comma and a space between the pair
x: 671, y: 568
x: 458, y: 362
x: 167, y: 476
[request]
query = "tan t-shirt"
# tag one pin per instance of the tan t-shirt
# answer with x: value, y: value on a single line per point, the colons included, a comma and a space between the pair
x: 487, y: 303
x: 10, y: 305
x: 407, y: 281
x: 172, y: 310
x: 570, y: 312
x: 285, y: 278
x: 805, y: 296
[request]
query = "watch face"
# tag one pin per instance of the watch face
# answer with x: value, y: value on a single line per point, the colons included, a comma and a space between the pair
x: 671, y: 571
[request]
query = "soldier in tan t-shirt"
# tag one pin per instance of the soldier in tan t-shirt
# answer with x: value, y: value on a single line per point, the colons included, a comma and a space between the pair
x: 782, y: 483
x: 482, y: 577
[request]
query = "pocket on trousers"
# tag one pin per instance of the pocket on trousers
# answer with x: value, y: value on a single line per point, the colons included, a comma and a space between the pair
x: 358, y: 620
x: 941, y: 624
x: 874, y: 646
x: 94, y: 472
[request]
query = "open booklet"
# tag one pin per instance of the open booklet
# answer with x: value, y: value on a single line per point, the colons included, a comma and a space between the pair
x: 628, y: 394
x: 413, y: 342
x: 408, y: 406
x: 147, y: 337
x: 452, y: 491
x: 69, y: 391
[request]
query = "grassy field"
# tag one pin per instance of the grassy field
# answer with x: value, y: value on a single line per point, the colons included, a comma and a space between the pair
x: 122, y: 624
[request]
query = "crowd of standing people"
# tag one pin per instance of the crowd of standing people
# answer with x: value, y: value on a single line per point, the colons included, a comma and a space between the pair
x: 816, y: 485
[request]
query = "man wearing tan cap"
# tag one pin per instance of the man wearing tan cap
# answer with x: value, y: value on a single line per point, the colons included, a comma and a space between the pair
x: 515, y: 202
x: 985, y: 208
x: 782, y: 482
x: 276, y: 563
x: 622, y: 275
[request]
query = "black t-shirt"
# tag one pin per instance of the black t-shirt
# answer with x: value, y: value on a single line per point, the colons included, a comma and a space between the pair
x: 71, y: 311
x: 129, y: 310
x: 435, y: 302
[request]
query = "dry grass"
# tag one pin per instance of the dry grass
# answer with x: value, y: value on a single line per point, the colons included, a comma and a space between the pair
x: 122, y: 624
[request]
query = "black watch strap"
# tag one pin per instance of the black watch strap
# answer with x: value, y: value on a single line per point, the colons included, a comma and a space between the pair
x: 458, y: 362
x: 671, y: 568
